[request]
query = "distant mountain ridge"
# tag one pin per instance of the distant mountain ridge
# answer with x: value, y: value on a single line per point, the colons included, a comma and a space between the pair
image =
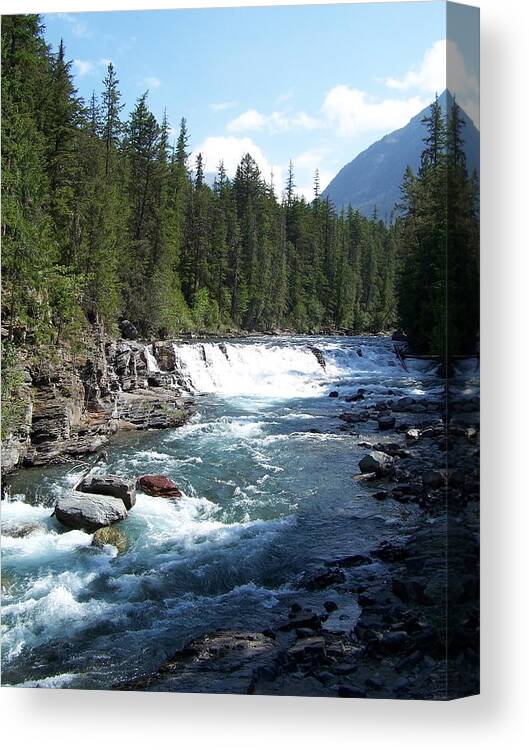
x: 374, y: 177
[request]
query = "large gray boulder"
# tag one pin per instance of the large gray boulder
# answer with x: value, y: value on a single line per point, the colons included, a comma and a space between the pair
x: 378, y: 462
x: 81, y: 510
x: 128, y: 330
x: 111, y: 486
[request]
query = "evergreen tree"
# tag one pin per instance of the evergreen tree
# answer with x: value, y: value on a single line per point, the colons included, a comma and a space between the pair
x: 112, y: 106
x: 103, y: 219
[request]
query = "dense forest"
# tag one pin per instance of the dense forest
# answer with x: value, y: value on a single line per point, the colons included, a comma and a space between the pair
x: 105, y: 218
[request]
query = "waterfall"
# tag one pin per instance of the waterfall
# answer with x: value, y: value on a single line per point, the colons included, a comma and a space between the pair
x: 276, y: 370
x: 152, y: 364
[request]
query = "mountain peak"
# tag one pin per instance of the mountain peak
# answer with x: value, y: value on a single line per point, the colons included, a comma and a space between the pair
x: 373, y: 179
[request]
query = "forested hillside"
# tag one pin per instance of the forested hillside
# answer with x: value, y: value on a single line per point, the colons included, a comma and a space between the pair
x: 105, y: 217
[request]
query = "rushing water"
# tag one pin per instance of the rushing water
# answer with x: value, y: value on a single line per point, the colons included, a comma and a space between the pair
x: 268, y: 494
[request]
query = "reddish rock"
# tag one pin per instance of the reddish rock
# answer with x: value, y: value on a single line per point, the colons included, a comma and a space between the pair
x: 158, y: 485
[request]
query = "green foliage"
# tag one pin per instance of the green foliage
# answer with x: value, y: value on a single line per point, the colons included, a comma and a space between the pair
x: 13, y: 405
x: 104, y: 219
x: 438, y: 243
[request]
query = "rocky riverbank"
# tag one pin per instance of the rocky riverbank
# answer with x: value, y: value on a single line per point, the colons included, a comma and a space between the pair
x: 401, y: 621
x: 71, y: 404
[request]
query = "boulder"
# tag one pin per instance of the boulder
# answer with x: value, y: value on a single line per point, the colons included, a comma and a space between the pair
x: 377, y: 462
x: 307, y: 648
x: 351, y: 561
x: 128, y: 330
x: 413, y: 433
x: 112, y: 486
x: 81, y: 510
x: 18, y: 532
x: 158, y: 485
x: 356, y: 397
x: 304, y: 619
x: 393, y: 641
x: 386, y: 423
x: 333, y: 394
x: 325, y: 578
x: 108, y: 535
x: 434, y: 479
x: 404, y: 404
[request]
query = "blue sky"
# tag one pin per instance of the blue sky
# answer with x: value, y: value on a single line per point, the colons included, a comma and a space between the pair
x: 315, y: 84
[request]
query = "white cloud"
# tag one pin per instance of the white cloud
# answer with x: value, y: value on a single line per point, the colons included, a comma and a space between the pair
x: 78, y: 27
x: 275, y: 122
x: 443, y: 63
x: 221, y: 106
x: 151, y: 82
x: 83, y: 67
x: 352, y: 111
x: 311, y: 159
x: 105, y: 62
x: 431, y: 74
x: 231, y: 150
x: 249, y: 120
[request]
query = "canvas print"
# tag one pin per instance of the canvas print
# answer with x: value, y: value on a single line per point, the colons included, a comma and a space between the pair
x: 240, y: 350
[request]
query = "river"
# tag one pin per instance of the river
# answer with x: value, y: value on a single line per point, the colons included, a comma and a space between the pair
x: 266, y: 475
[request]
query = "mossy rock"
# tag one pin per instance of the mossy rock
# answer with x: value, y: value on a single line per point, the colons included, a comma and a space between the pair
x: 109, y: 535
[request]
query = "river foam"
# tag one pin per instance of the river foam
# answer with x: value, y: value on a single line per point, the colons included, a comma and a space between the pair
x: 264, y: 497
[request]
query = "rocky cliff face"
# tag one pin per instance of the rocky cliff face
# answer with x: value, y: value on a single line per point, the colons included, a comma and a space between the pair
x: 72, y: 404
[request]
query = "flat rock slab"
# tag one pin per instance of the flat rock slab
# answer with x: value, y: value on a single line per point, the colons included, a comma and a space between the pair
x: 343, y: 619
x: 222, y: 662
x: 112, y: 486
x: 158, y: 485
x: 82, y: 510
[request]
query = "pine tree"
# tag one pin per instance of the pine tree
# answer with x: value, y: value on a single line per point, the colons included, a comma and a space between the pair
x: 112, y: 107
x: 141, y: 151
x: 27, y: 249
x: 103, y: 219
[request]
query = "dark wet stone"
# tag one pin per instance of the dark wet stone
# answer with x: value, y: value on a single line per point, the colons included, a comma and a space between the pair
x: 302, y: 619
x: 394, y: 641
x: 128, y: 330
x: 325, y: 579
x: 349, y: 691
x: 386, y: 423
x: 307, y: 648
x: 376, y: 461
x: 352, y: 561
